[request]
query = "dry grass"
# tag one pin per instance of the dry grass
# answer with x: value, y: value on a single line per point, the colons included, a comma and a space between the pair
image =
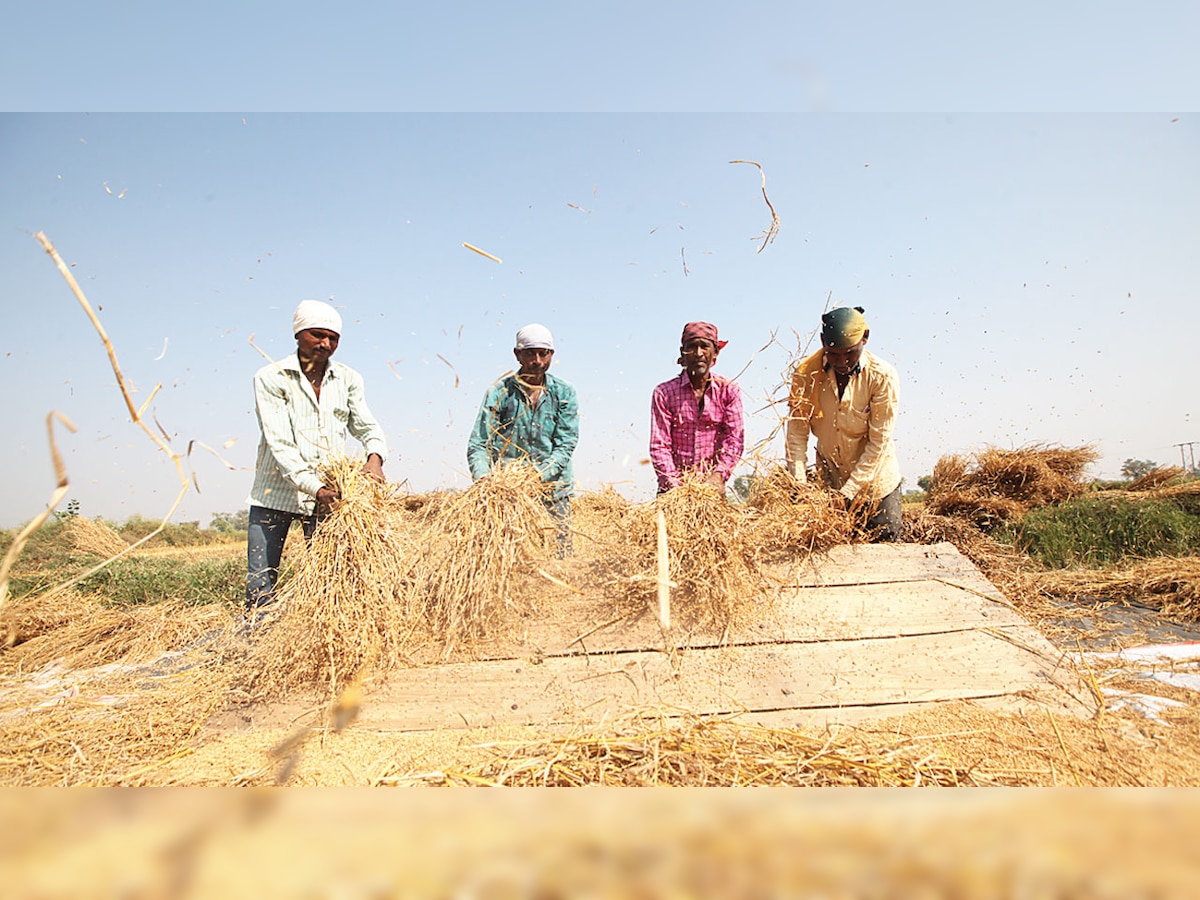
x: 1172, y: 582
x: 109, y: 725
x: 714, y: 565
x: 998, y: 485
x: 1156, y: 478
x: 649, y: 752
x: 95, y: 537
x: 477, y: 542
x: 343, y: 612
x: 795, y: 518
x: 77, y: 630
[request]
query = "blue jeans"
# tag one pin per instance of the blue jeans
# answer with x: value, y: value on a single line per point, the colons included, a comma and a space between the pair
x: 264, y: 550
x: 560, y: 511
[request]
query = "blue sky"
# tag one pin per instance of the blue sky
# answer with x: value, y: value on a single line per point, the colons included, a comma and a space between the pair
x: 1031, y: 273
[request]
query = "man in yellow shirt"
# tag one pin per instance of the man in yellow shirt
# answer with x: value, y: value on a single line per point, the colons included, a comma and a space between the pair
x: 846, y: 397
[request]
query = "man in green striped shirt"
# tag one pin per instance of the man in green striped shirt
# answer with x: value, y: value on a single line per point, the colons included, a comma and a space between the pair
x: 306, y: 405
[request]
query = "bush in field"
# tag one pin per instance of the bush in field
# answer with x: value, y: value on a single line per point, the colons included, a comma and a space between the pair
x: 1101, y: 530
x: 136, y: 580
x: 182, y: 534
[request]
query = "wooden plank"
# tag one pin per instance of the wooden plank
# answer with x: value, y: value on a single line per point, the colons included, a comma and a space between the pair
x: 881, y: 563
x: 829, y: 674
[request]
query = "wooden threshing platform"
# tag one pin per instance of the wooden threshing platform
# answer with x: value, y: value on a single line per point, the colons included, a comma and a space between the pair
x: 863, y: 632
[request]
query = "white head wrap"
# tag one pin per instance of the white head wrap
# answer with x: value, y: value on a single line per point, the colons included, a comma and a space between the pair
x: 535, y: 337
x: 315, y: 314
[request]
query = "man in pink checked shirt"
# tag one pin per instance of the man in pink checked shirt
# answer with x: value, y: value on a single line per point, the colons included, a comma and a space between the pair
x: 696, y: 419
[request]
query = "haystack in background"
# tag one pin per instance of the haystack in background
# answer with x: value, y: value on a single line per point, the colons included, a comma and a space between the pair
x: 477, y: 543
x: 1157, y: 478
x: 342, y: 614
x: 998, y: 485
x: 95, y: 537
x: 713, y: 557
x: 1171, y: 582
x: 793, y: 517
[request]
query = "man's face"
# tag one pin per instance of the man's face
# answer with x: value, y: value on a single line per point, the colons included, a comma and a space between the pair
x: 534, y: 361
x: 843, y: 360
x: 698, y: 354
x: 316, y: 345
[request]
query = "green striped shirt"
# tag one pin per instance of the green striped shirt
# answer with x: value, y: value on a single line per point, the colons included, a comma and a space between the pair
x: 299, y: 433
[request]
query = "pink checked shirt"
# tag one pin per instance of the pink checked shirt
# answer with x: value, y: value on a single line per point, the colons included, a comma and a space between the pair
x: 683, y: 437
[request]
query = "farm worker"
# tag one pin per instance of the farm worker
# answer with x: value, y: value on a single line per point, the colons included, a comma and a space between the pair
x: 696, y: 418
x: 847, y: 397
x: 534, y: 416
x: 306, y: 403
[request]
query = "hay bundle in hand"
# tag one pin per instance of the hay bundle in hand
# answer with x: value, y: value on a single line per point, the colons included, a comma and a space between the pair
x: 795, y: 518
x: 478, y: 542
x: 712, y: 558
x: 342, y: 614
x: 1002, y: 485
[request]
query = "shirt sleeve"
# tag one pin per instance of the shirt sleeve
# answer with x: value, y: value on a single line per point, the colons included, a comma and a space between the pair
x: 566, y: 434
x: 880, y: 427
x: 797, y: 432
x: 362, y: 425
x: 479, y: 459
x: 271, y: 404
x: 661, y: 456
x: 733, y: 439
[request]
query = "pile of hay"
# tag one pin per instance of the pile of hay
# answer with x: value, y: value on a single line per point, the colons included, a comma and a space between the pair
x: 1172, y: 582
x: 712, y: 552
x: 998, y: 485
x: 793, y: 517
x: 95, y: 537
x: 343, y: 612
x: 77, y: 630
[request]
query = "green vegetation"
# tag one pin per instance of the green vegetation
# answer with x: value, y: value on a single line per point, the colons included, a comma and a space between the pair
x: 138, y: 579
x: 1101, y: 530
x: 51, y: 557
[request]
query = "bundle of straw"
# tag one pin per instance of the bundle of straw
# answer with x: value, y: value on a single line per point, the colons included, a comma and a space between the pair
x: 342, y: 613
x: 713, y: 564
x: 600, y: 515
x: 477, y: 542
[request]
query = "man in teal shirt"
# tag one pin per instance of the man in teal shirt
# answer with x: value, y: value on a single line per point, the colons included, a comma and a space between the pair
x: 534, y: 416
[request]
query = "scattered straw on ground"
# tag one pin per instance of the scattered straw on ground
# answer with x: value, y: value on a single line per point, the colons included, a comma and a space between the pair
x: 1171, y: 582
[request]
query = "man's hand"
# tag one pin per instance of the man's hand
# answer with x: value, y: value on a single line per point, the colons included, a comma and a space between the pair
x: 326, y: 497
x: 714, y: 478
x: 374, y: 466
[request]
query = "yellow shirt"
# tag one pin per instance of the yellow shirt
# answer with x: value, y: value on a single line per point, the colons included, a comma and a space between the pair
x: 855, y: 450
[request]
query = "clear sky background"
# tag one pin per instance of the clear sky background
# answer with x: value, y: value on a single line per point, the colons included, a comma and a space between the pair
x: 1012, y: 197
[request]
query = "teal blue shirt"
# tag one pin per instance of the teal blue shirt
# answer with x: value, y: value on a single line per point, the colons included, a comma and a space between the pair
x: 508, y: 427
